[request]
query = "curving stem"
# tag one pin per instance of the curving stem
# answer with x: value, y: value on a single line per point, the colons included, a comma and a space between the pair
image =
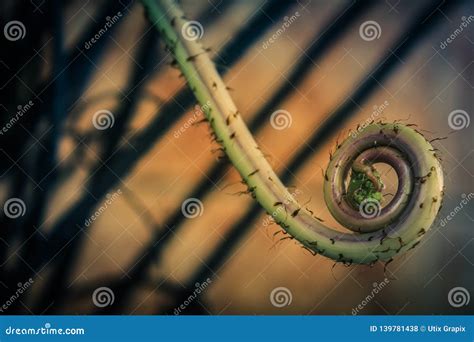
x: 378, y: 233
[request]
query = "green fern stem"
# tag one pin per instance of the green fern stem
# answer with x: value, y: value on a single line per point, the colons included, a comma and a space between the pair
x: 393, y: 229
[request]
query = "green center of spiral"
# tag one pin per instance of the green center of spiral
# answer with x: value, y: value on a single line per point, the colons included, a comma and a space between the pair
x: 361, y: 188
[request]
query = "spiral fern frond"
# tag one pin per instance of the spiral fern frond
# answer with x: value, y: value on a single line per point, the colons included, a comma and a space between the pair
x: 378, y: 233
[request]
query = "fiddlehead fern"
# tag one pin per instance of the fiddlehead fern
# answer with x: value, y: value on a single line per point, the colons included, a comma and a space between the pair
x: 378, y: 233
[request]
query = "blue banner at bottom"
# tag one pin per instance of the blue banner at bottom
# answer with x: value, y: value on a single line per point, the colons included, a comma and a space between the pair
x: 237, y: 328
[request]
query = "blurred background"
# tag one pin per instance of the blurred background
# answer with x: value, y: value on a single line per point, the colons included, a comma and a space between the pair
x: 103, y: 151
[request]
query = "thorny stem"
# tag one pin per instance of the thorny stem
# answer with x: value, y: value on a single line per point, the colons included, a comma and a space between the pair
x: 393, y: 229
